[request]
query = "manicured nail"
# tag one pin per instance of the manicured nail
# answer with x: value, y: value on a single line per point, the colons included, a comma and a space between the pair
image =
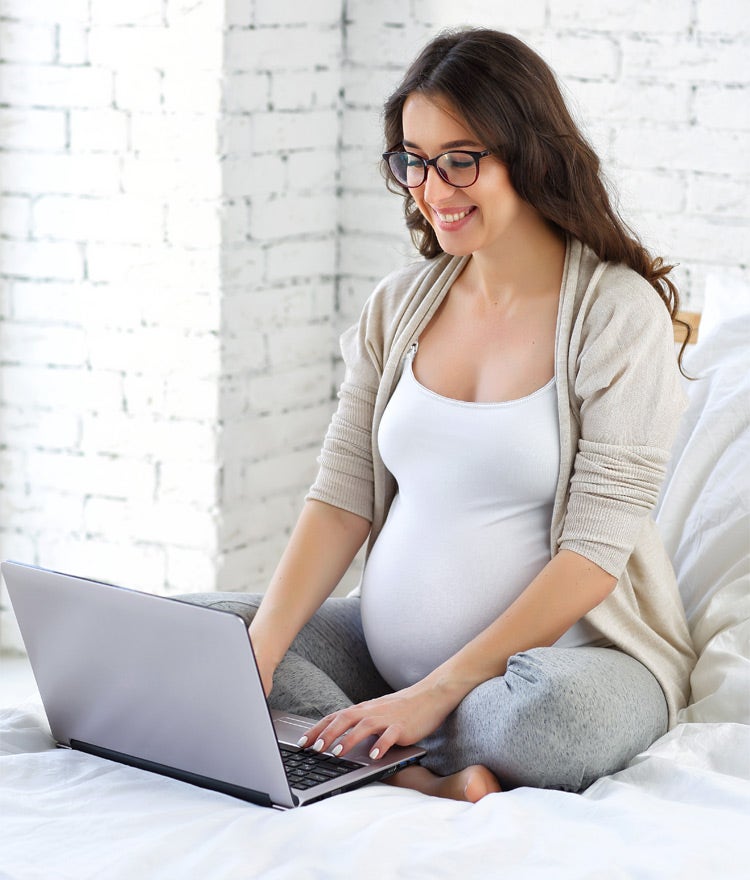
x: 337, y: 750
x: 302, y: 742
x: 374, y: 754
x: 318, y: 747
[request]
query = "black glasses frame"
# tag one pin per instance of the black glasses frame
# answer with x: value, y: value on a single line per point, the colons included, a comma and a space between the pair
x: 475, y: 155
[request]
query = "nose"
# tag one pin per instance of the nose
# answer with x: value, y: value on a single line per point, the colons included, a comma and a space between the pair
x: 435, y: 188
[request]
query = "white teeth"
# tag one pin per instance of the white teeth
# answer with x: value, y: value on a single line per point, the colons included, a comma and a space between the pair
x: 453, y: 218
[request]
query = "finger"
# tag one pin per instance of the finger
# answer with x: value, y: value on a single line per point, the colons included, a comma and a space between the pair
x: 388, y: 738
x: 327, y: 731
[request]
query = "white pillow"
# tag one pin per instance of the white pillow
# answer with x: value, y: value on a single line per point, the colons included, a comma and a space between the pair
x: 704, y: 515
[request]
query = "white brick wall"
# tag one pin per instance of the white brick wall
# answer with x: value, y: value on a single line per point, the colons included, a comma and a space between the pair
x: 191, y: 210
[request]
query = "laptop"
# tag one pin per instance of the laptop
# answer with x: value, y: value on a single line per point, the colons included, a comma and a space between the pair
x: 171, y: 687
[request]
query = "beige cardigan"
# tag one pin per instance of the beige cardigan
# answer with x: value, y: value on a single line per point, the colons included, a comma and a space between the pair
x: 619, y: 403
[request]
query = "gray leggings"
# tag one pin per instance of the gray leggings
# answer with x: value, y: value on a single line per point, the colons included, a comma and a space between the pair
x: 559, y: 718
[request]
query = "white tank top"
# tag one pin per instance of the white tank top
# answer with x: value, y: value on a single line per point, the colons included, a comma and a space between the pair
x: 469, y: 527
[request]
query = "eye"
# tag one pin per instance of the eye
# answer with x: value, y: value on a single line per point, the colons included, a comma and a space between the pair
x: 458, y: 161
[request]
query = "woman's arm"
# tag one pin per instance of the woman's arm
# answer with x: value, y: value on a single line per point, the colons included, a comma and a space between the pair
x: 323, y: 544
x: 566, y: 588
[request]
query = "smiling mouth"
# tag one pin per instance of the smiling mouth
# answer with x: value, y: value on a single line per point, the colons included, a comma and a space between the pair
x: 454, y: 216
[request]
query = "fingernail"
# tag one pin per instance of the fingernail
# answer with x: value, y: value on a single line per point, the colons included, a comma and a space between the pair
x: 337, y: 750
x: 302, y: 742
x: 374, y: 754
x: 318, y: 747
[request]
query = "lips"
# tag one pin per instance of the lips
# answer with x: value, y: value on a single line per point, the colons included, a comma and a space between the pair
x: 452, y: 218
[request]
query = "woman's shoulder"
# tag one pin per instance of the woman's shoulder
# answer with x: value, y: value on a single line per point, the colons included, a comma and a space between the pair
x: 406, y: 281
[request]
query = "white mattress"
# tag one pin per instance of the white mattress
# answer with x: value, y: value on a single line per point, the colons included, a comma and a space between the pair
x: 680, y: 810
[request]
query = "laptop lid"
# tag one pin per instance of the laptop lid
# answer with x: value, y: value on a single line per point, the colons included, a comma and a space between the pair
x: 164, y: 685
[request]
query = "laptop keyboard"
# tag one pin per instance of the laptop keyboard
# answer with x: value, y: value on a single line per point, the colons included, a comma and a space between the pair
x: 305, y: 769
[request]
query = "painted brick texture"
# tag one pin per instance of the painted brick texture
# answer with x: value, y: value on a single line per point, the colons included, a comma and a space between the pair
x: 191, y: 210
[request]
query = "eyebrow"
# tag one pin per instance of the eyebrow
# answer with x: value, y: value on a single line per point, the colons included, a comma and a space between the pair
x: 450, y: 145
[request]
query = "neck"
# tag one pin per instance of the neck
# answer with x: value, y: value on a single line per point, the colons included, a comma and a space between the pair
x: 524, y: 265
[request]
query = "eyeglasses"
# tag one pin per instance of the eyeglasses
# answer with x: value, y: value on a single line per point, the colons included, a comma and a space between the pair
x: 459, y: 168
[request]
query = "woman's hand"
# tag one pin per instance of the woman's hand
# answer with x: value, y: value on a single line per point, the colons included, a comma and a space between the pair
x: 402, y: 718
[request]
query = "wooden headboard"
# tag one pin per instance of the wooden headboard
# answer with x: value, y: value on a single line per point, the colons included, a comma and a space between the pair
x: 691, y: 318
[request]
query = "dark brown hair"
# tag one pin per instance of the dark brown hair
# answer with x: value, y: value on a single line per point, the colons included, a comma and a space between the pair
x: 509, y: 98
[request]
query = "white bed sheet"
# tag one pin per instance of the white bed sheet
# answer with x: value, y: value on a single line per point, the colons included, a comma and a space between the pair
x: 680, y: 810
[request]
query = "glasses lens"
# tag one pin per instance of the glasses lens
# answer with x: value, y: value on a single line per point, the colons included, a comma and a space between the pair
x: 407, y: 168
x: 458, y: 168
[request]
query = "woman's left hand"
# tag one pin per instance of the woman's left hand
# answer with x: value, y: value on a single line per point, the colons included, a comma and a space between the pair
x: 401, y: 718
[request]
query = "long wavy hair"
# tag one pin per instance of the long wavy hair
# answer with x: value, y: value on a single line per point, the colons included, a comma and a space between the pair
x: 509, y: 98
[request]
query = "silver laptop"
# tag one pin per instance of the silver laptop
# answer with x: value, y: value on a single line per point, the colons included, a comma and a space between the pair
x: 173, y: 688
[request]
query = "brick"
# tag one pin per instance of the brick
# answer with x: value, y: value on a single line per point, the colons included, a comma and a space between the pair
x: 646, y: 16
x: 254, y: 175
x: 239, y: 13
x: 197, y: 91
x: 29, y: 43
x: 176, y: 176
x: 56, y: 173
x: 137, y: 88
x: 505, y: 16
x: 246, y: 91
x: 61, y: 261
x: 42, y: 512
x: 26, y: 429
x: 301, y: 345
x: 363, y: 90
x: 584, y: 56
x: 300, y: 90
x: 712, y: 239
x: 236, y: 135
x: 66, y: 390
x: 243, y: 350
x: 368, y: 257
x: 380, y: 213
x: 188, y: 398
x: 158, y: 134
x: 284, y: 472
x: 697, y: 59
x: 153, y: 267
x: 312, y: 170
x: 72, y: 44
x: 159, y: 48
x: 678, y: 147
x: 385, y: 45
x: 630, y: 99
x: 32, y: 129
x: 15, y: 212
x: 361, y: 169
x: 280, y: 131
x: 98, y: 131
x: 362, y: 130
x: 49, y: 302
x: 194, y: 224
x: 720, y: 194
x: 190, y: 571
x: 365, y: 12
x: 120, y: 219
x: 301, y: 259
x: 274, y: 218
x: 135, y: 12
x: 159, y: 523
x: 660, y: 191
x: 256, y: 438
x: 92, y: 475
x: 282, y: 48
x: 43, y: 345
x: 28, y: 85
x: 286, y: 389
x: 250, y: 521
x: 155, y: 350
x: 723, y: 107
x: 46, y: 10
x: 189, y: 483
x: 248, y: 569
x: 140, y: 566
x: 722, y: 17
x: 322, y: 12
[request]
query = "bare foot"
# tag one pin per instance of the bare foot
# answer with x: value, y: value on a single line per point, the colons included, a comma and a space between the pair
x: 470, y: 784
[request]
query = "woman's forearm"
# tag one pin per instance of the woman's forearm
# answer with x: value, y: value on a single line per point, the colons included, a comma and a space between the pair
x: 323, y: 544
x: 567, y: 588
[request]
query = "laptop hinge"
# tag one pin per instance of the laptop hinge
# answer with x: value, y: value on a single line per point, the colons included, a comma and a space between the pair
x: 238, y: 791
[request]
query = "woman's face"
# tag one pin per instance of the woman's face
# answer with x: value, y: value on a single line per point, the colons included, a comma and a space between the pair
x: 478, y: 218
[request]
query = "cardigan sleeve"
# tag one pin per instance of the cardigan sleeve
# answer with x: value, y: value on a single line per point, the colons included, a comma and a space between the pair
x: 627, y: 396
x: 345, y: 477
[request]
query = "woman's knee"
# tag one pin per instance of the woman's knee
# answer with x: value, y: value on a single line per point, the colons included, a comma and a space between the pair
x: 243, y: 604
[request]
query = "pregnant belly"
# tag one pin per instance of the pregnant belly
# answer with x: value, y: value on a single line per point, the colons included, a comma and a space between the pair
x: 426, y: 593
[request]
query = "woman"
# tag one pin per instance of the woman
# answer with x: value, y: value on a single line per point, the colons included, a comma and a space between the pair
x: 502, y: 433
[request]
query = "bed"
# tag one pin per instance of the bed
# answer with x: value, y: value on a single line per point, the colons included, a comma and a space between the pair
x: 679, y: 810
